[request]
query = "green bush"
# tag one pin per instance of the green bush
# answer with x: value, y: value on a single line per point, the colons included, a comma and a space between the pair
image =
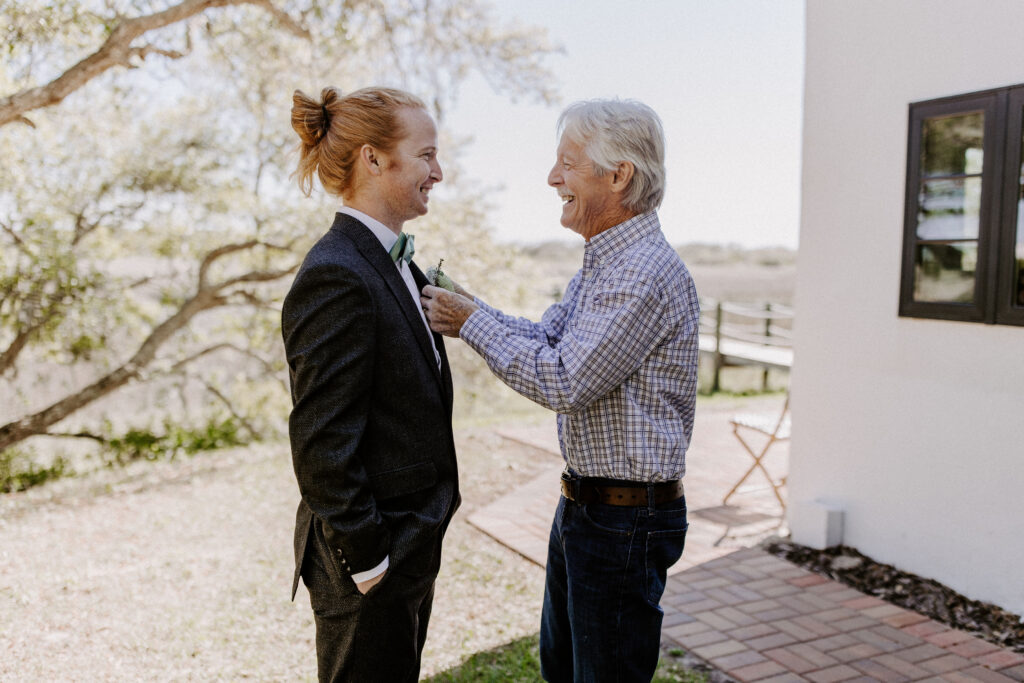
x: 18, y: 471
x: 144, y: 444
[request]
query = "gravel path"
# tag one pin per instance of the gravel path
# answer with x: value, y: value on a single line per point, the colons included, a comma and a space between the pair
x: 180, y: 571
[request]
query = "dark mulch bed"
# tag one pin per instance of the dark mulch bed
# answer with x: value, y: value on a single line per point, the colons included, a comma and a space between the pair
x: 925, y: 596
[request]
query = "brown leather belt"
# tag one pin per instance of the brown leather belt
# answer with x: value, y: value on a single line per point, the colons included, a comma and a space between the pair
x: 584, y: 491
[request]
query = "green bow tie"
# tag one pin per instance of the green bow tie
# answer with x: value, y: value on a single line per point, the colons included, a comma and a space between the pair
x: 403, y: 249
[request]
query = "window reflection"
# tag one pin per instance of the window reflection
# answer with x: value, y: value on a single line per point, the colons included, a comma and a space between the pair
x: 1017, y: 285
x: 949, y: 209
x: 945, y: 272
x: 952, y: 145
x: 1020, y: 275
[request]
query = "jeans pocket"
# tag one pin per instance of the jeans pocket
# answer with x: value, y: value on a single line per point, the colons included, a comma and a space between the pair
x: 611, y: 519
x: 664, y: 548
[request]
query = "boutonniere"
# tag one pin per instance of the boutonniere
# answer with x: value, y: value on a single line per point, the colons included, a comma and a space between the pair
x: 436, y: 277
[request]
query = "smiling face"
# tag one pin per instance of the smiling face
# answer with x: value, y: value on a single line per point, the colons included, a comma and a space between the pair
x: 410, y: 169
x: 589, y: 204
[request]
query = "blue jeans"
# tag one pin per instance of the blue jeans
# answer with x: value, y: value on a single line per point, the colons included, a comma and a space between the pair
x: 606, y: 572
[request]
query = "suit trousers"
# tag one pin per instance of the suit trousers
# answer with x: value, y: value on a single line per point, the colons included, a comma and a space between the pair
x: 378, y: 636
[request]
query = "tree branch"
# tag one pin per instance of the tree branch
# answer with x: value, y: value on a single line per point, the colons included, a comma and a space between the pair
x: 258, y: 276
x: 84, y: 227
x: 118, y: 51
x: 15, y: 236
x: 196, y: 356
x: 79, y: 435
x: 222, y: 251
x: 219, y: 252
x: 204, y: 299
x: 284, y: 19
x: 14, y: 349
x: 135, y: 284
x: 231, y: 408
x: 251, y: 299
x: 219, y: 347
x: 146, y: 50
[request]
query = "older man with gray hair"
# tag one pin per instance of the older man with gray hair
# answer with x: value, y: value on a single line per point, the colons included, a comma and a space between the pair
x: 616, y: 359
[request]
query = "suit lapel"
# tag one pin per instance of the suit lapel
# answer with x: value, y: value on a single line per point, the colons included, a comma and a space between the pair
x: 446, y: 373
x: 372, y: 250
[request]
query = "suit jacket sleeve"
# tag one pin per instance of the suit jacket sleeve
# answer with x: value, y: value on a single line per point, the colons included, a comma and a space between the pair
x: 328, y: 329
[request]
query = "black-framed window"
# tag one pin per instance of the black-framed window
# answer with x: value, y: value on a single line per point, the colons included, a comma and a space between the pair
x: 963, y: 237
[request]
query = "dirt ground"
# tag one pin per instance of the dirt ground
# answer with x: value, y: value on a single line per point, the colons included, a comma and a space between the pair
x: 181, y: 571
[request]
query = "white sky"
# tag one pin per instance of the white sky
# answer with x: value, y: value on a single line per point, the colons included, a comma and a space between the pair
x: 725, y: 76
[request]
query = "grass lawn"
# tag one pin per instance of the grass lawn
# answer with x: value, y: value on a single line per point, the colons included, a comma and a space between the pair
x: 519, y: 662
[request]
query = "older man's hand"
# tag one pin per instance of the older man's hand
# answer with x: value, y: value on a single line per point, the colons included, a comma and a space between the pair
x: 446, y: 311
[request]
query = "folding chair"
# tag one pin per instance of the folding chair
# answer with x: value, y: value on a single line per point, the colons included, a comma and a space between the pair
x: 776, y: 428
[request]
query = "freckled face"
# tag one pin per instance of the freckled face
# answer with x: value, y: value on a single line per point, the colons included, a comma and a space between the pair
x: 412, y: 168
x: 588, y: 204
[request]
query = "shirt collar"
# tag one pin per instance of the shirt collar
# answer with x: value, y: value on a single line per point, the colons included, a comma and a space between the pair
x: 385, y: 234
x: 620, y: 236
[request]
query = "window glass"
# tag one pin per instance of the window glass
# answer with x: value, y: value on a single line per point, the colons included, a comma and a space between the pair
x: 1019, y: 289
x: 952, y: 145
x: 1017, y: 285
x: 949, y: 209
x: 945, y: 272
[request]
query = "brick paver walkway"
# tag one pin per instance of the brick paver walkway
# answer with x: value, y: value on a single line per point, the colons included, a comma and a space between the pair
x: 756, y: 617
x: 748, y: 614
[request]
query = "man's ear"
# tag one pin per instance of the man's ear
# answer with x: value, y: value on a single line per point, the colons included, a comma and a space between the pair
x: 622, y: 175
x: 370, y: 159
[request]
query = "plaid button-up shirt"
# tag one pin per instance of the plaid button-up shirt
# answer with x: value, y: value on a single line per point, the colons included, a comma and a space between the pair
x: 616, y: 358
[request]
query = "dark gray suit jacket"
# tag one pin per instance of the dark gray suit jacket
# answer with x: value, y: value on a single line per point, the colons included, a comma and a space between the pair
x: 370, y: 429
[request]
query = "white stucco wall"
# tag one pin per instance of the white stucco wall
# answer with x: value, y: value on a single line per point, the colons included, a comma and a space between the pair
x: 915, y: 428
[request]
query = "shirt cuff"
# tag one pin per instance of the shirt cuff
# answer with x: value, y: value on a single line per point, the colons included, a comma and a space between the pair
x: 372, y: 573
x: 478, y: 328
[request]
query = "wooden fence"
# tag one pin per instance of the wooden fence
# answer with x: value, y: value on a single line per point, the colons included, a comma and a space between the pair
x: 736, y: 334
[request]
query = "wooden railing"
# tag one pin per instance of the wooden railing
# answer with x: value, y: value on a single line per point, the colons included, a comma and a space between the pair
x: 746, y: 334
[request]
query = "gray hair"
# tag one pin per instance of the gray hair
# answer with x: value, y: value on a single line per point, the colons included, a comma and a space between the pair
x: 612, y: 131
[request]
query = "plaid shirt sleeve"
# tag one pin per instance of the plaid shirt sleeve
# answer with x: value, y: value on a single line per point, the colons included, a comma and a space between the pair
x: 552, y: 324
x: 613, y: 329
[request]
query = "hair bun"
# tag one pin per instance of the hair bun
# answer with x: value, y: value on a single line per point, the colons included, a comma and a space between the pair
x: 307, y: 118
x: 325, y: 123
x: 328, y: 96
